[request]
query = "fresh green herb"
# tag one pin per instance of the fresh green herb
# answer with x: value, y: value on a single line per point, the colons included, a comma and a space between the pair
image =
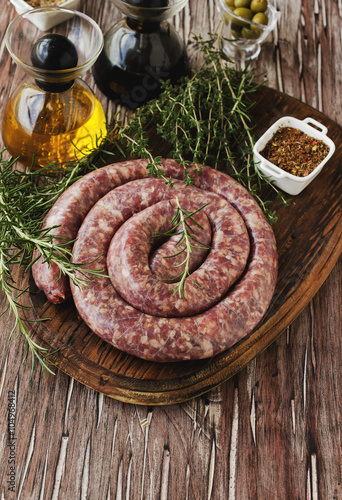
x: 206, y: 120
x: 25, y: 199
x: 180, y: 226
x: 13, y: 307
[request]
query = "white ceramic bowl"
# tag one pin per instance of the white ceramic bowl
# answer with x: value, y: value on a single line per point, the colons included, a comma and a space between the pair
x: 290, y: 183
x: 48, y: 20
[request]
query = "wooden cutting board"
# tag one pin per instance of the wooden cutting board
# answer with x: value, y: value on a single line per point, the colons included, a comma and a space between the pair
x: 309, y: 239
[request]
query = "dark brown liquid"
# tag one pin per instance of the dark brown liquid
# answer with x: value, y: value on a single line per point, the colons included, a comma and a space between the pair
x: 149, y: 54
x: 148, y: 3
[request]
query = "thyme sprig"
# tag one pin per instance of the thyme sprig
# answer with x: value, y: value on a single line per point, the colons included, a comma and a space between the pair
x: 206, y: 120
x: 180, y: 226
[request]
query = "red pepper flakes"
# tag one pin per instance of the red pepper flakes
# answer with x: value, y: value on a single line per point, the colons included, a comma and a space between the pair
x: 294, y: 151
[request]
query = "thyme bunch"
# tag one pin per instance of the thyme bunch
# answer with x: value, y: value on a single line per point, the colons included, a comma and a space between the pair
x: 180, y: 227
x: 206, y: 120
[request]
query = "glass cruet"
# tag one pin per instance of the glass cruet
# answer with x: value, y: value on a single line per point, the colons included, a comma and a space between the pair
x: 53, y: 116
x: 140, y: 52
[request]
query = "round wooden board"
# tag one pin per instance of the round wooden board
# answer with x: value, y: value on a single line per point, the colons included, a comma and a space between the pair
x: 309, y: 239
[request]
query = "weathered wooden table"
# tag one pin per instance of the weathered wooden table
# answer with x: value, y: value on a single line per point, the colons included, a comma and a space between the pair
x: 273, y: 431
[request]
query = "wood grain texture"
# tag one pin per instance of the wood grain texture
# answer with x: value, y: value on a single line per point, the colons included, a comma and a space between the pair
x: 271, y: 432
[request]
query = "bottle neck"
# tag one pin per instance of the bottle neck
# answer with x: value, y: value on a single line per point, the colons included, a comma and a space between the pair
x: 54, y: 87
x: 142, y: 26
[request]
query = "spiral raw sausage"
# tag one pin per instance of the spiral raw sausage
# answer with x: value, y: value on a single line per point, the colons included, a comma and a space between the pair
x: 165, y: 337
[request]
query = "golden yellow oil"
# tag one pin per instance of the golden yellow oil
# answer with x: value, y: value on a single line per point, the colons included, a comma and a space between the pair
x: 42, y: 127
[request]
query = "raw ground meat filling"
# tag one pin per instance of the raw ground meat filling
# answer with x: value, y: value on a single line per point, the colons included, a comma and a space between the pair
x: 242, y: 237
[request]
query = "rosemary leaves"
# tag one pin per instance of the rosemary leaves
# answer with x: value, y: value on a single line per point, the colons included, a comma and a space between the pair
x: 187, y: 243
x: 25, y: 198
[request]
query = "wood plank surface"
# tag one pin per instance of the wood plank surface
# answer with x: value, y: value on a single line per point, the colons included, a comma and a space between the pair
x: 273, y: 431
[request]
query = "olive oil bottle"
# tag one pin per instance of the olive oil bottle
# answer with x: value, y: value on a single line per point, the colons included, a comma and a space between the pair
x: 53, y: 117
x: 44, y: 127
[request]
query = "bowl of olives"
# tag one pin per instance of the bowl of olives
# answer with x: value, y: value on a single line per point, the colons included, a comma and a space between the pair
x: 246, y: 24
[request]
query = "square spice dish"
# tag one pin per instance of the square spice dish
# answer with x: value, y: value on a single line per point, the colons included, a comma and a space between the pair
x: 292, y: 152
x: 49, y: 12
x: 44, y: 3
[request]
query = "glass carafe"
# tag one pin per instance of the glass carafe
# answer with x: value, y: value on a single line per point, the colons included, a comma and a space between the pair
x: 140, y: 52
x: 53, y: 116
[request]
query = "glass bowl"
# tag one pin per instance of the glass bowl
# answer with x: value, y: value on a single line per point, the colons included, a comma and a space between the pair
x: 244, y: 48
x: 150, y: 10
x: 82, y: 31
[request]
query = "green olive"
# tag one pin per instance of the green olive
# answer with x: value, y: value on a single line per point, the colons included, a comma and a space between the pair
x: 235, y: 30
x: 251, y: 33
x: 244, y: 13
x: 260, y: 18
x: 226, y: 18
x: 258, y: 5
x: 230, y: 4
x: 241, y: 3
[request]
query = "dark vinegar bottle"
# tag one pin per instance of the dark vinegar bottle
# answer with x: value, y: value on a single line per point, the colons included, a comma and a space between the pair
x: 138, y: 55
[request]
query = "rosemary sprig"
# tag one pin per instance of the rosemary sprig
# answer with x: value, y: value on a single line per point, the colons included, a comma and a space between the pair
x: 206, y: 120
x: 180, y: 227
x: 12, y: 307
x: 25, y: 199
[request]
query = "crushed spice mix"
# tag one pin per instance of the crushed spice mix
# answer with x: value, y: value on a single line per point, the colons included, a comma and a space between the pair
x: 294, y: 151
x: 44, y: 3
